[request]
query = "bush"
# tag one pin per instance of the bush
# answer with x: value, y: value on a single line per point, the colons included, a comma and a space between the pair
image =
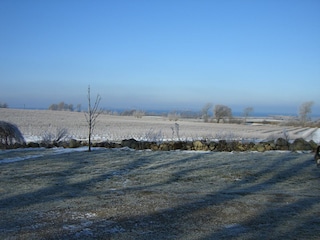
x: 152, y: 136
x: 60, y: 135
x: 10, y: 134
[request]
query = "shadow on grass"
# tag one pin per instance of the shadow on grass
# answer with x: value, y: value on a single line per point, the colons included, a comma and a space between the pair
x: 209, y: 195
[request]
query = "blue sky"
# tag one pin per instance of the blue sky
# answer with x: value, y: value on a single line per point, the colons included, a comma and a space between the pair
x: 167, y: 54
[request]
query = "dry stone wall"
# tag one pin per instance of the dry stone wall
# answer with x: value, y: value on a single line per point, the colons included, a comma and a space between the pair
x: 299, y: 144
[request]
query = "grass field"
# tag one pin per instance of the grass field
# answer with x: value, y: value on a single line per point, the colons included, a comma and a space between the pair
x: 125, y: 194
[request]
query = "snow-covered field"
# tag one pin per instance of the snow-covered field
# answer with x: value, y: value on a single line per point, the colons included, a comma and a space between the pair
x: 34, y: 124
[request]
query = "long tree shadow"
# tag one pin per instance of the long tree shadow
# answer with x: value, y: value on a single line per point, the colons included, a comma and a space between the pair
x: 229, y: 211
x: 290, y: 213
x: 265, y: 224
x: 60, y: 186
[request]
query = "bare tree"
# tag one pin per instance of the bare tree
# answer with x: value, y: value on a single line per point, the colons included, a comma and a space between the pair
x: 138, y: 114
x: 305, y: 111
x: 62, y: 106
x: 173, y: 116
x: 222, y: 112
x: 246, y: 112
x: 92, y: 115
x: 53, y: 107
x: 205, y: 112
x: 79, y: 107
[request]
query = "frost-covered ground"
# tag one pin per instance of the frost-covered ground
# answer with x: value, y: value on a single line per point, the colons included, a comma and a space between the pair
x: 34, y: 124
x: 126, y: 194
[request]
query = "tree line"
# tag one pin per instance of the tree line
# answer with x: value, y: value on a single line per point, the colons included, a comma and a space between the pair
x: 224, y: 113
x: 62, y: 106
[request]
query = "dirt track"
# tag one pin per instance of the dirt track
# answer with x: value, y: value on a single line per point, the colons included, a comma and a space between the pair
x: 123, y: 194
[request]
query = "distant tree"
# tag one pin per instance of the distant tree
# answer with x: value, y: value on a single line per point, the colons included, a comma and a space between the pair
x: 173, y: 116
x: 78, y: 107
x: 92, y: 115
x: 53, y: 107
x: 10, y: 134
x: 205, y: 112
x: 3, y: 105
x: 62, y: 106
x: 222, y: 112
x: 138, y: 114
x: 305, y: 111
x: 246, y: 112
x: 128, y: 112
x: 70, y: 107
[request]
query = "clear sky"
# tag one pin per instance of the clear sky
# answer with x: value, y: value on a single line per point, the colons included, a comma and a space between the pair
x: 161, y: 54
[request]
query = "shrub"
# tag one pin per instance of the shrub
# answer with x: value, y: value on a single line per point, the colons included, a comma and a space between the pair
x: 10, y: 134
x: 152, y: 136
x: 60, y: 135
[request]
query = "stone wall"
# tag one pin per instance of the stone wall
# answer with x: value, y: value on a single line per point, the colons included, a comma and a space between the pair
x: 228, y: 146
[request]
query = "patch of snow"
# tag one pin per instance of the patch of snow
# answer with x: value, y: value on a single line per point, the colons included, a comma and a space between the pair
x: 232, y: 225
x: 17, y: 159
x: 70, y: 227
x: 304, y: 151
x: 315, y: 136
x: 69, y: 150
x: 32, y: 138
x: 84, y: 232
x: 21, y: 150
x: 43, y: 151
x: 234, y: 228
x: 116, y: 229
x: 192, y: 151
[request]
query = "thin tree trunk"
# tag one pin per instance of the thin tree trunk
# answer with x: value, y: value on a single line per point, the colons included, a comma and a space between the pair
x: 91, y: 116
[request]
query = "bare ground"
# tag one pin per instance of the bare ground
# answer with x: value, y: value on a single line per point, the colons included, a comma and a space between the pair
x: 123, y: 194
